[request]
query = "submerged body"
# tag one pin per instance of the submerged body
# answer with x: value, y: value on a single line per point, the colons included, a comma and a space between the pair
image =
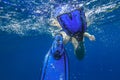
x: 74, y: 28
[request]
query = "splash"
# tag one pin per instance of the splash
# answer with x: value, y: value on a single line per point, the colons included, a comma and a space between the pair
x: 32, y: 16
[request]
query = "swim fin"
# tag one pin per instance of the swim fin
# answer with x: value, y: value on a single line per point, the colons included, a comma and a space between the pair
x: 56, y: 65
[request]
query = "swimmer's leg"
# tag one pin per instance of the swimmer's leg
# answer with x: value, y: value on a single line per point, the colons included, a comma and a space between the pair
x: 79, y: 49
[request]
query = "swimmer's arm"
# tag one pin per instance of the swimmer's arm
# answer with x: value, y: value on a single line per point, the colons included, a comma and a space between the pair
x: 91, y: 37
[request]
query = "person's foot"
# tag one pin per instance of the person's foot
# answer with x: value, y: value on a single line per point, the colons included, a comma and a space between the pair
x: 57, y: 46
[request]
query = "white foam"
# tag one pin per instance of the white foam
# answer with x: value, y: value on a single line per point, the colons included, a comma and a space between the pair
x: 38, y: 23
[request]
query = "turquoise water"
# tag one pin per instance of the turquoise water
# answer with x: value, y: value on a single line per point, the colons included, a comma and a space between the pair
x: 26, y: 36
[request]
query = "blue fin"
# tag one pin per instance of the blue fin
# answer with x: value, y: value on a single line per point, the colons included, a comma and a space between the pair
x: 73, y: 22
x: 56, y: 65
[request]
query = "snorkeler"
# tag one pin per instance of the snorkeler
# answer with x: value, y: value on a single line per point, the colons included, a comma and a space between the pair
x: 56, y: 63
x: 74, y: 27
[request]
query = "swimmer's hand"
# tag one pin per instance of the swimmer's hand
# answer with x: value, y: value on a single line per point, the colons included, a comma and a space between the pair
x: 54, y: 22
x: 92, y: 38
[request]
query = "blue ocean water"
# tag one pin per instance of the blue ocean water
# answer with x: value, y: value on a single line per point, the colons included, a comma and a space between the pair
x: 26, y: 36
